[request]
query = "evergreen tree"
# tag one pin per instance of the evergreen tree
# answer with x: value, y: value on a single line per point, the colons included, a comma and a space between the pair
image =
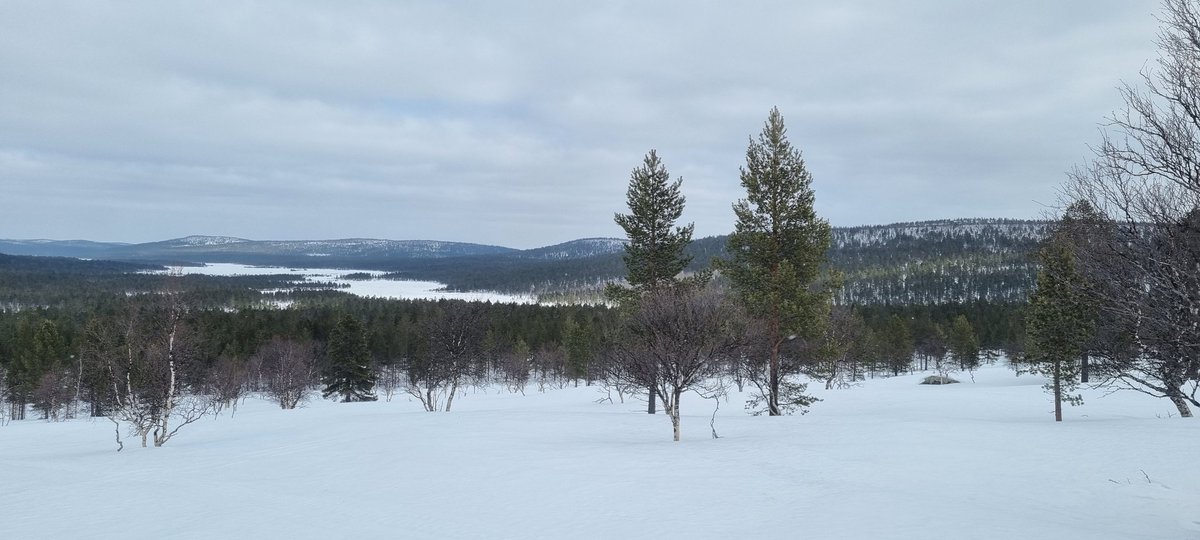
x: 348, y: 369
x: 39, y: 350
x: 1059, y: 324
x: 899, y: 345
x: 579, y: 342
x: 654, y: 255
x: 964, y: 345
x: 777, y: 247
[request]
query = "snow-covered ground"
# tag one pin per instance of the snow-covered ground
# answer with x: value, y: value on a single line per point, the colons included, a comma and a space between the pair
x: 888, y: 459
x: 378, y: 288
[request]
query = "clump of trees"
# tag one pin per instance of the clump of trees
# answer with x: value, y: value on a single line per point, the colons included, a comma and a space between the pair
x: 286, y: 369
x: 675, y: 340
x: 776, y: 255
x: 1134, y: 233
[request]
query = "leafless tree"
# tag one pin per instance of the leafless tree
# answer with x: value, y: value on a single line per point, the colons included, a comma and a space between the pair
x: 549, y: 366
x: 147, y: 374
x: 389, y: 377
x: 54, y: 393
x: 1137, y: 226
x: 227, y: 381
x: 675, y: 340
x: 288, y: 369
x: 836, y: 349
x: 455, y: 339
x: 514, y: 367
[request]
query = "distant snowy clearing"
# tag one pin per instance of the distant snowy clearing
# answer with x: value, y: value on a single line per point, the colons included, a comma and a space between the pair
x: 889, y: 459
x: 372, y: 288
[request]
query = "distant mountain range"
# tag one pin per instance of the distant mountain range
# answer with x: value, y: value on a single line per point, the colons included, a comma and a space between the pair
x: 203, y: 248
x: 920, y: 262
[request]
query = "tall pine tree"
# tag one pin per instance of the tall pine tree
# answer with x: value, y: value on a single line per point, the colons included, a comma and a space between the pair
x: 776, y: 251
x: 1058, y: 324
x: 654, y: 253
x: 348, y: 370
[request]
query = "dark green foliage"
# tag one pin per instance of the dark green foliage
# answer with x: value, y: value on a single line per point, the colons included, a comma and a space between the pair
x: 347, y: 371
x: 779, y: 243
x: 581, y: 343
x: 654, y: 255
x: 964, y: 346
x: 778, y: 247
x: 1060, y: 322
x: 40, y: 353
x: 898, y: 345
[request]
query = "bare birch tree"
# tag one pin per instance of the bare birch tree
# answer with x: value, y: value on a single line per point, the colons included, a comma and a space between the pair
x: 675, y: 340
x: 455, y: 337
x: 288, y: 370
x: 1140, y: 244
x: 146, y: 369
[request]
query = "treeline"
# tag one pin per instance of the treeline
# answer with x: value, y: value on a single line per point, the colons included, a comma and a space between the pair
x: 59, y: 362
x: 930, y: 263
x: 28, y: 282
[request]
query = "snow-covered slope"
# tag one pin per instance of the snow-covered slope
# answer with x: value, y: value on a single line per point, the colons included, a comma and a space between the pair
x: 890, y: 459
x: 577, y: 249
x: 993, y: 233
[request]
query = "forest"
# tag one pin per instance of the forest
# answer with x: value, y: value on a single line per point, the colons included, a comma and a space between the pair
x: 54, y: 309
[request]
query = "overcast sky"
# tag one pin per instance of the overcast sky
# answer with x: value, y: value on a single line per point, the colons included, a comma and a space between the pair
x: 518, y: 123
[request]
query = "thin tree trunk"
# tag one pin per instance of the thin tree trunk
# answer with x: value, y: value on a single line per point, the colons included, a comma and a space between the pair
x: 673, y: 410
x: 453, y: 390
x: 773, y: 389
x: 650, y: 399
x: 1083, y: 368
x: 1057, y: 392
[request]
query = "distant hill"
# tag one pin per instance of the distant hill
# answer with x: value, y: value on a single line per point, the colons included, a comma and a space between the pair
x: 936, y: 262
x: 929, y: 262
x: 83, y: 249
x: 229, y: 249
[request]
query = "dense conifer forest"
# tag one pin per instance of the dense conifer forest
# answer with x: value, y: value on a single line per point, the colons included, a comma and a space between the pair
x: 908, y: 283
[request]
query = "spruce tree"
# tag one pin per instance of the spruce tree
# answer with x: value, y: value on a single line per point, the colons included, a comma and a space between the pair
x: 348, y: 370
x: 654, y: 253
x: 1058, y: 324
x: 964, y: 345
x: 777, y: 249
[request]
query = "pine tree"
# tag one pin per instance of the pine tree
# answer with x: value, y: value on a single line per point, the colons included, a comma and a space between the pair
x: 964, y: 345
x: 899, y: 345
x: 777, y: 247
x: 654, y: 254
x: 579, y: 342
x: 348, y: 371
x: 1058, y: 324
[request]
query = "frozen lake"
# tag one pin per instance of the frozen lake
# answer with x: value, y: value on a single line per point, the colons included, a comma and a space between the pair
x: 370, y: 288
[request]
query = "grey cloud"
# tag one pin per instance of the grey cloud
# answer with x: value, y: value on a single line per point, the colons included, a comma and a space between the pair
x: 518, y: 123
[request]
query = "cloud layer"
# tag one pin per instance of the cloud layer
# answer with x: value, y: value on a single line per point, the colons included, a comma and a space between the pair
x: 517, y: 123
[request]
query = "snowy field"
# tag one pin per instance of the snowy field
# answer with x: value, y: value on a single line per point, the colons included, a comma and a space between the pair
x: 377, y: 288
x: 888, y: 459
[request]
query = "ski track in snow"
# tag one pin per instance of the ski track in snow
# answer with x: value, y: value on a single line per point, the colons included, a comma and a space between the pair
x: 888, y: 459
